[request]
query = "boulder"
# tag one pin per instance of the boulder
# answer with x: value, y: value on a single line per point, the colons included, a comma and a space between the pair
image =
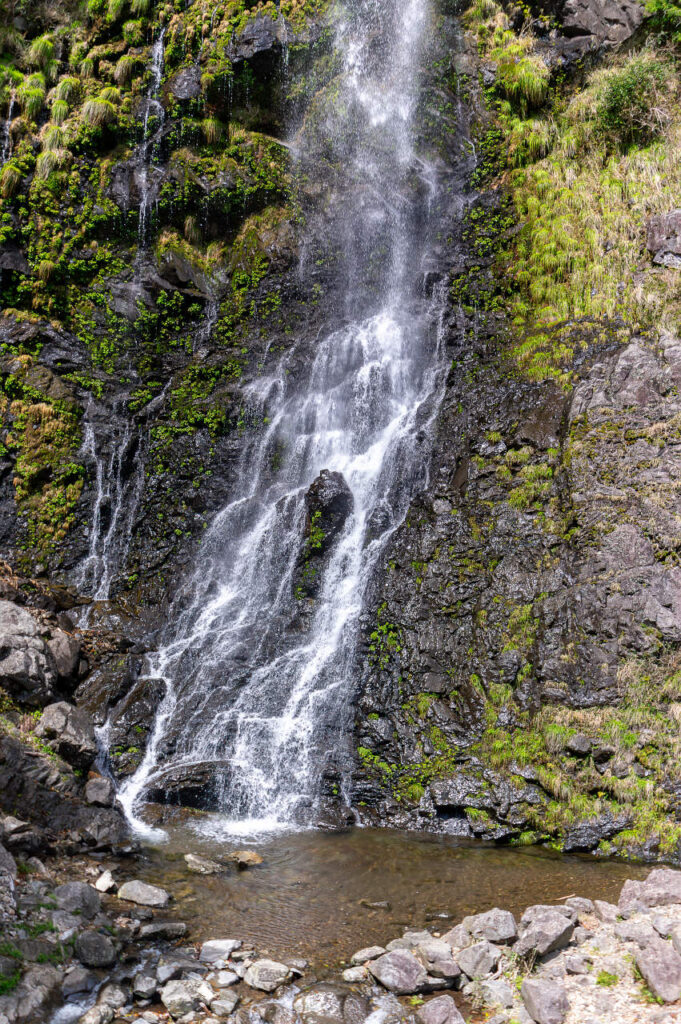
x: 186, y: 84
x: 368, y: 953
x: 144, y: 986
x: 35, y: 997
x: 357, y: 974
x: 663, y: 239
x: 543, y: 930
x: 79, y: 979
x: 65, y: 651
x: 458, y: 937
x: 329, y: 502
x: 441, y: 1010
x: 478, y: 960
x: 660, y: 965
x: 7, y: 862
x: 218, y: 949
x: 94, y: 949
x: 579, y: 745
x: 27, y: 668
x: 661, y: 888
x: 266, y: 975
x: 78, y: 898
x: 496, y: 993
x: 69, y: 730
x: 223, y: 979
x: 399, y: 971
x: 100, y: 791
x: 144, y: 894
x: 225, y: 1004
x: 606, y: 912
x: 580, y: 904
x: 545, y: 1001
x: 494, y: 925
x: 182, y: 997
x: 607, y: 22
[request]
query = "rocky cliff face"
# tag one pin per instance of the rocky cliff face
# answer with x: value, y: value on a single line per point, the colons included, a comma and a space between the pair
x: 518, y: 679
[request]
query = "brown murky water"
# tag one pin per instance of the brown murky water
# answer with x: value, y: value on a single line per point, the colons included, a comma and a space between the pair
x: 311, y: 895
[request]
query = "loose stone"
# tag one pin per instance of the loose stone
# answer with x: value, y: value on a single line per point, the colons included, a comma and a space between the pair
x: 144, y: 894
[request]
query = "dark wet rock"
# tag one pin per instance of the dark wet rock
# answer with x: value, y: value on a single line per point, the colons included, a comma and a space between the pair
x: 608, y: 22
x: 545, y: 1001
x: 588, y: 834
x: 129, y: 725
x: 78, y: 898
x: 100, y: 791
x: 542, y: 930
x: 163, y: 930
x: 440, y: 1010
x: 79, y: 979
x: 660, y: 965
x: 70, y: 732
x: 663, y: 238
x: 147, y: 895
x: 399, y: 971
x: 195, y: 785
x: 329, y: 502
x: 94, y: 949
x: 186, y: 84
x: 579, y: 745
x: 173, y: 965
x: 144, y: 986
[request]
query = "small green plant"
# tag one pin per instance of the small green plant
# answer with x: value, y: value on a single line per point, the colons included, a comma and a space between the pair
x: 606, y: 979
x: 633, y: 106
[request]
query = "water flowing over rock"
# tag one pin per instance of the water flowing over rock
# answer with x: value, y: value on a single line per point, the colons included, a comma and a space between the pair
x: 273, y: 604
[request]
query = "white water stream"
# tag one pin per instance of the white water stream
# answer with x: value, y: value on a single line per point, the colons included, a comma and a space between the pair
x: 265, y: 703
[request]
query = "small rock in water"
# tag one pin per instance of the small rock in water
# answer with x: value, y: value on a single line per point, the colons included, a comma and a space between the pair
x: 245, y: 858
x: 376, y: 904
x: 224, y: 979
x: 203, y: 866
x: 105, y: 882
x: 79, y: 980
x: 368, y: 953
x: 441, y: 1010
x: 218, y: 949
x: 266, y: 975
x: 141, y: 892
x: 163, y: 930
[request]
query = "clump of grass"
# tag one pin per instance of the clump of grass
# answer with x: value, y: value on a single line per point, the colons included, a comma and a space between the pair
x: 59, y: 111
x: 10, y: 179
x: 67, y: 89
x: 98, y: 112
x: 50, y: 160
x: 125, y: 68
x: 41, y: 52
x: 133, y: 33
x: 212, y: 130
x: 115, y: 9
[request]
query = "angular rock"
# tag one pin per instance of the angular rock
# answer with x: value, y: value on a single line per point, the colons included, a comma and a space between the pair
x: 494, y: 925
x: 441, y: 1010
x: 478, y: 960
x: 409, y: 940
x: 661, y: 888
x: 542, y: 930
x: 69, y: 730
x: 105, y: 882
x: 545, y: 1001
x: 355, y: 974
x: 94, y: 949
x: 458, y: 937
x: 245, y: 858
x: 144, y: 894
x: 203, y: 866
x: 368, y: 953
x: 78, y: 897
x: 27, y: 669
x: 580, y: 905
x: 7, y: 862
x: 100, y: 791
x: 399, y: 971
x: 169, y: 930
x: 35, y: 997
x: 496, y: 993
x: 79, y: 979
x: 144, y: 986
x: 224, y: 979
x: 663, y: 239
x: 180, y: 997
x: 65, y: 650
x: 225, y: 1004
x: 218, y: 949
x: 660, y: 965
x: 579, y: 745
x: 606, y: 912
x: 266, y: 975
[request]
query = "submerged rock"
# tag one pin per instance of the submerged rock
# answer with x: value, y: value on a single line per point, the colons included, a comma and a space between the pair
x: 267, y: 975
x: 144, y: 894
x: 203, y: 866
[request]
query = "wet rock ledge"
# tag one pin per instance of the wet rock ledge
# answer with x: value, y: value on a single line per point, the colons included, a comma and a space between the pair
x: 98, y: 953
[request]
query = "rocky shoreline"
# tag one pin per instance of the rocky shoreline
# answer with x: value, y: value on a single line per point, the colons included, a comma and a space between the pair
x: 79, y: 944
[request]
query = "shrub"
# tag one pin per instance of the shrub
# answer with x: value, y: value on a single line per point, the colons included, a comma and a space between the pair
x: 133, y: 33
x: 632, y: 108
x: 666, y: 18
x: 521, y: 75
x: 41, y: 52
x: 60, y: 111
x: 98, y: 112
x: 10, y: 179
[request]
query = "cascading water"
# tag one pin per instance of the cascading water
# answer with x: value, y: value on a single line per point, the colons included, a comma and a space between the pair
x: 6, y: 134
x: 118, y: 482
x: 146, y: 149
x: 264, y: 703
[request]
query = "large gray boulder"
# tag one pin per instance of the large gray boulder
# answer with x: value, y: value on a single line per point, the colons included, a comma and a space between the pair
x: 663, y: 239
x: 78, y: 898
x: 661, y: 888
x: 94, y: 949
x: 185, y: 996
x: 27, y: 668
x: 478, y: 960
x: 543, y: 930
x: 36, y: 996
x: 69, y: 731
x: 545, y: 1001
x: 100, y: 791
x: 441, y: 1010
x: 494, y: 925
x: 400, y: 972
x: 660, y: 965
x: 607, y: 22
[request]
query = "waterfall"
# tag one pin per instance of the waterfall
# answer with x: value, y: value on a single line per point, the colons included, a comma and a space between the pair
x: 256, y: 688
x: 118, y: 476
x: 6, y: 135
x: 146, y: 150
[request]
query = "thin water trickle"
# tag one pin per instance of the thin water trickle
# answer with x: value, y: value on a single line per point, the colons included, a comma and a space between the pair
x: 264, y: 703
x: 6, y: 135
x: 146, y: 149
